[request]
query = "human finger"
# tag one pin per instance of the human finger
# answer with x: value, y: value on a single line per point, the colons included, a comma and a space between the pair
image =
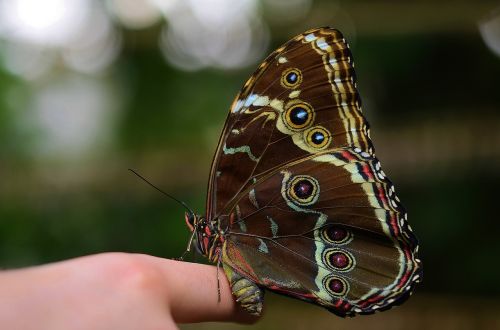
x: 193, y: 293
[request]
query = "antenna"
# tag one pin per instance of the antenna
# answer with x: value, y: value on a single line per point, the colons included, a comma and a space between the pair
x: 164, y: 193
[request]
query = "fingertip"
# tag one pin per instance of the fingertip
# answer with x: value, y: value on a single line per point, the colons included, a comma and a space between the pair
x: 193, y: 294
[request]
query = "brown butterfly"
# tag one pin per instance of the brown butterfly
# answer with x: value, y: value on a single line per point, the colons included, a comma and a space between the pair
x: 297, y: 201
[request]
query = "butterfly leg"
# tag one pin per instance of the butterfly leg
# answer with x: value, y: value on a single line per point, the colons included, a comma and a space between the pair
x: 247, y: 293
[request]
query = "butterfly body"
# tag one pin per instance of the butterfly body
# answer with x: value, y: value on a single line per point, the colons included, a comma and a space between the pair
x: 297, y: 201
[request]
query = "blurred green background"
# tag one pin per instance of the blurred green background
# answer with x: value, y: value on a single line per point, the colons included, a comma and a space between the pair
x: 89, y: 89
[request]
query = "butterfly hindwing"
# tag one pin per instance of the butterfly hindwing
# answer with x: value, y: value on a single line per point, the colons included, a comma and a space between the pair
x: 328, y: 229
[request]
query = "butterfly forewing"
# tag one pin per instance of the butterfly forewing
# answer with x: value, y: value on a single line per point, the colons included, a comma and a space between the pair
x: 259, y: 133
x: 306, y: 209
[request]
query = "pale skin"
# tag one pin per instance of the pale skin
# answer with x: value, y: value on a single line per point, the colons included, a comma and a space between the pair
x: 115, y: 291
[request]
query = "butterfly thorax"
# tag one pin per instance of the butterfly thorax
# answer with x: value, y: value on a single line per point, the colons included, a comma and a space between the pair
x: 207, y: 236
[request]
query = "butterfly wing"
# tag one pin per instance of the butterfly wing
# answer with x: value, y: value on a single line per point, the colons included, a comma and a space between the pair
x: 297, y: 123
x: 328, y: 229
x: 259, y: 133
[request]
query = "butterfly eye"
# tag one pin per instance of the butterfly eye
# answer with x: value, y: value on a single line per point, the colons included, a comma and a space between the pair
x: 338, y: 259
x: 303, y: 190
x: 318, y: 137
x: 291, y: 78
x: 299, y: 115
x: 336, y: 286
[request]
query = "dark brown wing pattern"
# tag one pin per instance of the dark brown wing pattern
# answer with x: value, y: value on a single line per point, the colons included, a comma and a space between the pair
x: 309, y: 213
x: 328, y: 229
x: 258, y: 137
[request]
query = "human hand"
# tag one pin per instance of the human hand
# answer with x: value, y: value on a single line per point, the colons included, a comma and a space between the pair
x: 115, y: 291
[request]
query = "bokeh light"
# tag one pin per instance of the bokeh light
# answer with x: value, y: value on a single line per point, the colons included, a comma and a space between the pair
x: 215, y: 33
x: 73, y: 115
x: 490, y: 31
x: 96, y: 46
x: 37, y: 35
x: 50, y: 23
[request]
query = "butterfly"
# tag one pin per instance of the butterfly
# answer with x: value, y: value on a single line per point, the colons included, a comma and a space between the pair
x: 297, y: 202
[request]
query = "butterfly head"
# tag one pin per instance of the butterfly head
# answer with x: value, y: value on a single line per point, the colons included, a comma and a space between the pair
x: 204, y: 234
